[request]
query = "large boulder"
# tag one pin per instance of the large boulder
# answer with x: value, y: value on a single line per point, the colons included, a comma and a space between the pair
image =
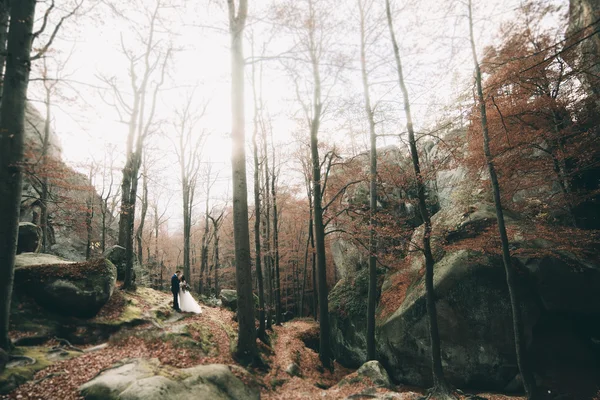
x: 141, y: 379
x: 30, y: 238
x: 475, y: 325
x: 348, y: 319
x: 559, y: 301
x: 376, y: 373
x: 116, y: 255
x: 69, y: 288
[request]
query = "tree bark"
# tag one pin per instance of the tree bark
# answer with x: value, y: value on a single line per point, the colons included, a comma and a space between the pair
x: 319, y: 227
x: 275, y: 240
x: 89, y: 215
x: 139, y: 235
x: 204, y: 246
x: 45, y: 189
x: 511, y: 278
x: 262, y: 334
x: 441, y: 389
x: 12, y: 121
x: 372, y: 294
x: 216, y: 255
x: 246, y: 345
x: 267, y: 235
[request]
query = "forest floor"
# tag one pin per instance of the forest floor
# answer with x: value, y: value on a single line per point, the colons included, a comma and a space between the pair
x: 185, y: 340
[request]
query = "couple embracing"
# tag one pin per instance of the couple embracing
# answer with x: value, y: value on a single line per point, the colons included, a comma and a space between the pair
x: 182, y: 298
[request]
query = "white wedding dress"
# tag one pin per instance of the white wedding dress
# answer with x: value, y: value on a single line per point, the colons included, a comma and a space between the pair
x: 187, y: 303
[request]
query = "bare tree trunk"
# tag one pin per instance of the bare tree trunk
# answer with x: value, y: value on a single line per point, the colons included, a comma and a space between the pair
x: 267, y: 239
x: 511, y: 278
x: 246, y: 344
x: 313, y: 261
x: 441, y: 389
x: 216, y: 255
x: 129, y: 282
x: 12, y: 121
x: 276, y: 241
x: 140, y: 229
x: 89, y: 215
x: 319, y: 227
x: 304, y: 274
x: 45, y: 188
x: 204, y: 246
x: 372, y: 295
x: 262, y: 334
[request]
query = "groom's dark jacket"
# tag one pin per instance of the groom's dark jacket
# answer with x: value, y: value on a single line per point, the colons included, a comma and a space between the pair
x: 174, y: 283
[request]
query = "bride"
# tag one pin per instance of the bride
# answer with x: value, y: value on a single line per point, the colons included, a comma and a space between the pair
x: 186, y: 300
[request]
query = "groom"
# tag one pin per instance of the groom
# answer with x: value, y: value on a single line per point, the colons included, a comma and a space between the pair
x: 175, y: 289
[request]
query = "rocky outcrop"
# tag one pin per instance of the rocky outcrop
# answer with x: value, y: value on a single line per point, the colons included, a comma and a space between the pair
x: 582, y: 33
x: 141, y: 379
x: 30, y: 238
x: 558, y: 289
x: 70, y: 192
x: 348, y: 319
x: 68, y: 288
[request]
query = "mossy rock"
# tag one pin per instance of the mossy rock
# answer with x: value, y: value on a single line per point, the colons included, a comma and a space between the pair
x: 12, y: 378
x: 229, y: 299
x: 67, y: 288
x: 146, y: 379
x: 347, y: 315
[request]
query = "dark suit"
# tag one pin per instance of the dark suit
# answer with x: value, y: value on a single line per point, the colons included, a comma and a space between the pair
x: 175, y: 291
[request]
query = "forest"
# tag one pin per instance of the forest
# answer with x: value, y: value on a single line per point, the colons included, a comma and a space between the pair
x: 309, y: 199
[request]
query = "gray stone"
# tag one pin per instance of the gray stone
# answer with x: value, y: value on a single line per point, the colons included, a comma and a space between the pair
x: 293, y: 370
x: 30, y: 238
x: 375, y: 371
x: 148, y: 380
x: 347, y: 316
x: 65, y: 287
x: 475, y: 325
x: 228, y: 298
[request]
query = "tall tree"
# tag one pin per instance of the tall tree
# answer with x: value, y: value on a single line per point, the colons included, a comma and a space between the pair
x: 139, y: 233
x: 188, y: 149
x: 511, y: 277
x: 363, y: 8
x: 262, y: 334
x: 268, y: 258
x: 107, y: 197
x: 138, y: 113
x: 441, y: 388
x: 89, y: 212
x: 12, y: 121
x: 275, y: 236
x: 246, y: 344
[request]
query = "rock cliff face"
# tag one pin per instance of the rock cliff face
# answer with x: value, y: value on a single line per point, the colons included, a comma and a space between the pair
x: 583, y: 33
x: 70, y: 192
x: 559, y: 290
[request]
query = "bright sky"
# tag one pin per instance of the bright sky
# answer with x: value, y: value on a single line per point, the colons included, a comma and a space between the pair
x: 86, y: 125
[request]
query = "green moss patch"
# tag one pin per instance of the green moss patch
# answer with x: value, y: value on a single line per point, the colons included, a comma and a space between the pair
x: 11, y: 378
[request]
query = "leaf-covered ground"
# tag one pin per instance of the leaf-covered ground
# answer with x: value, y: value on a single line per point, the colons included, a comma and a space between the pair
x: 184, y: 340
